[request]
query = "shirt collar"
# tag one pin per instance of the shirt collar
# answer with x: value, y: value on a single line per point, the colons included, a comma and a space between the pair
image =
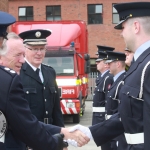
x: 117, y: 75
x: 141, y: 49
x: 34, y: 68
x: 103, y: 73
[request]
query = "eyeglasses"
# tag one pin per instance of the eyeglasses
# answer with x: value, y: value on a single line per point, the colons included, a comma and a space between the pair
x: 36, y: 49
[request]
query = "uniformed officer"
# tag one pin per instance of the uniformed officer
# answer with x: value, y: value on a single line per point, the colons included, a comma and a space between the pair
x: 14, y: 111
x: 134, y: 95
x: 116, y: 61
x: 100, y: 92
x: 101, y: 48
x: 40, y: 89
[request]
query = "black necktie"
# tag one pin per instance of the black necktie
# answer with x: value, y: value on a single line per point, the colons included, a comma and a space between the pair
x: 37, y: 72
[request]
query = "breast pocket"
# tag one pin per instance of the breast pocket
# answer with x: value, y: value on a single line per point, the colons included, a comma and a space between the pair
x: 130, y: 102
x: 30, y: 96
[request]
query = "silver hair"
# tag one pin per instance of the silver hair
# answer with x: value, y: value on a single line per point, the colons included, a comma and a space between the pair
x: 4, y: 48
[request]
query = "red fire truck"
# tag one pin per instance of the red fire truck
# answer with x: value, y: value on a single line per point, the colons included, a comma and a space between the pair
x: 67, y: 53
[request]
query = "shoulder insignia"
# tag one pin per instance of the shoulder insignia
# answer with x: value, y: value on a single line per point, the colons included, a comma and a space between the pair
x: 8, y: 69
x: 47, y: 65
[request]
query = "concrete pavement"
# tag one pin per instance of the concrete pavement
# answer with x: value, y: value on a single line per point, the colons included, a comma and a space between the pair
x: 86, y: 120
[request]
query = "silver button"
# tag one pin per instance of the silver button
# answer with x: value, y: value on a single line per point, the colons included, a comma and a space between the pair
x: 108, y: 91
x: 95, y: 86
x: 55, y: 91
x: 127, y: 93
x: 27, y: 92
x: 46, y: 112
x: 98, y: 90
x: 93, y: 94
x: 110, y: 96
x: 44, y: 87
x: 45, y: 100
x: 100, y: 114
x: 105, y: 101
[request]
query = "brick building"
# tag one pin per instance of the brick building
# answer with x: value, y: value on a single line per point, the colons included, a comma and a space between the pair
x: 98, y: 14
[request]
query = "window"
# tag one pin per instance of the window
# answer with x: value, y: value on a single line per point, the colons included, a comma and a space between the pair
x: 95, y: 14
x: 25, y: 13
x: 115, y: 15
x: 53, y: 13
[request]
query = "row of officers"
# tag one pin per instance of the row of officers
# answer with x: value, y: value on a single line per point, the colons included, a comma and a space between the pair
x: 112, y: 68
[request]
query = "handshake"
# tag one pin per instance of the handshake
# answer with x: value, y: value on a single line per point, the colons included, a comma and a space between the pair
x: 77, y: 135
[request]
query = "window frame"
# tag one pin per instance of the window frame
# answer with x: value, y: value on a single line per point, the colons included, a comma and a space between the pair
x: 114, y: 13
x: 53, y: 12
x: 26, y: 16
x: 100, y: 14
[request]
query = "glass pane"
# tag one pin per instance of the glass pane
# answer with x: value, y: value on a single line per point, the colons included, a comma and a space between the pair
x: 49, y: 10
x: 114, y: 10
x: 91, y: 9
x: 22, y: 11
x: 115, y: 18
x: 57, y: 10
x: 98, y: 9
x: 29, y: 11
x: 62, y: 65
x: 95, y: 19
x: 30, y: 18
x: 22, y: 18
x: 50, y: 18
x: 57, y: 17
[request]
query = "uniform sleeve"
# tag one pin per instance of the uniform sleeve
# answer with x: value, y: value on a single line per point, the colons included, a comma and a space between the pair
x: 146, y: 109
x: 107, y: 130
x: 23, y: 124
x: 57, y: 114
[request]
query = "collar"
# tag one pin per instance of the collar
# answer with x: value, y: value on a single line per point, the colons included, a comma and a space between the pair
x: 34, y: 68
x: 141, y: 49
x: 103, y: 73
x: 117, y: 75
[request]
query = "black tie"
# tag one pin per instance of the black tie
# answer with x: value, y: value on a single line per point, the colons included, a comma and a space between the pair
x: 37, y: 72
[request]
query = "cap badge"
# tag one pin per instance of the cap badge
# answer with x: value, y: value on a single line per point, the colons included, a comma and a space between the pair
x: 130, y: 15
x: 38, y: 34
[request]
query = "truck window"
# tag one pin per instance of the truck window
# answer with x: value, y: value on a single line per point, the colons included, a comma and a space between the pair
x: 62, y: 65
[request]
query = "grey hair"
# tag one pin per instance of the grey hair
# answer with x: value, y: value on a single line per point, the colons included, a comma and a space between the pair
x: 4, y: 49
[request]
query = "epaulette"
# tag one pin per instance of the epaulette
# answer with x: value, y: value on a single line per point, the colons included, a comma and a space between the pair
x: 8, y: 70
x: 47, y: 65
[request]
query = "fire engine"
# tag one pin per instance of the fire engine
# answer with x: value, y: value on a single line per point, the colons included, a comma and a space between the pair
x: 67, y: 53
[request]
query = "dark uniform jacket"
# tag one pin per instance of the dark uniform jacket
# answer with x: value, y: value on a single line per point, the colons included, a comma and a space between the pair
x: 134, y: 112
x: 112, y: 103
x: 99, y: 98
x: 43, y: 98
x: 21, y: 122
x: 40, y: 97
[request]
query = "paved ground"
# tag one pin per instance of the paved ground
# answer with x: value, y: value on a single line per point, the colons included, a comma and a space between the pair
x: 86, y: 120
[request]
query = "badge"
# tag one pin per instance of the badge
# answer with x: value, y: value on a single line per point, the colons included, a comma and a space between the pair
x: 109, y: 86
x: 38, y: 34
x: 3, y: 124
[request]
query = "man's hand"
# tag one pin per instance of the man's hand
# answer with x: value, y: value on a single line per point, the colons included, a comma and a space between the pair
x: 61, y: 144
x: 83, y: 129
x: 75, y: 138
